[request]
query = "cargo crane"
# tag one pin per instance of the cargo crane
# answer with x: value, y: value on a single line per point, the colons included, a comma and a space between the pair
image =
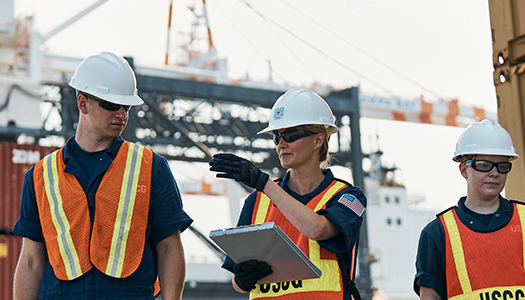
x: 175, y: 121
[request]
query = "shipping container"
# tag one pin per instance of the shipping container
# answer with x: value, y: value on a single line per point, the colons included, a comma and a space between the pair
x: 10, y: 246
x: 15, y: 160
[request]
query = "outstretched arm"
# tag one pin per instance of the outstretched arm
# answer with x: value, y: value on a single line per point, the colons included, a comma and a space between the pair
x: 311, y: 224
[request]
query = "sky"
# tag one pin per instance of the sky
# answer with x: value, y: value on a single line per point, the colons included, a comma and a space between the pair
x: 401, y: 49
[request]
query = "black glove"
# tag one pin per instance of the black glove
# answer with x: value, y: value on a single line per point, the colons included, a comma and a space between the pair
x: 249, y: 272
x: 240, y: 169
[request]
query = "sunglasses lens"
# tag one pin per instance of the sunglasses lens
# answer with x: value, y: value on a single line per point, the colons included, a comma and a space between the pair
x: 294, y: 136
x: 290, y: 137
x: 504, y: 167
x: 482, y: 165
x: 276, y: 139
x: 486, y: 166
x: 111, y: 106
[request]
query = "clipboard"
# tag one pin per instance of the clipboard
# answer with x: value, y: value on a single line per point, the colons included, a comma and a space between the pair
x: 267, y: 242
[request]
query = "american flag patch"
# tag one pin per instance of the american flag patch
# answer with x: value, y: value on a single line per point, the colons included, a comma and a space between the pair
x: 353, y: 203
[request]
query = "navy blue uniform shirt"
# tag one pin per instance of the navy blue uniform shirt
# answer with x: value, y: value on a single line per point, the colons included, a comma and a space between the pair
x: 348, y: 222
x: 166, y: 216
x: 430, y: 260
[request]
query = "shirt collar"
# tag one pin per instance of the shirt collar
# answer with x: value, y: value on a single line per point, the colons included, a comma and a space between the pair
x: 111, y: 151
x: 500, y: 218
x: 115, y: 146
x: 328, y: 178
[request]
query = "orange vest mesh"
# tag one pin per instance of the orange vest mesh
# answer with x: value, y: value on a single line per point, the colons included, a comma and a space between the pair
x: 120, y: 222
x: 75, y: 233
x: 273, y: 214
x: 489, y: 262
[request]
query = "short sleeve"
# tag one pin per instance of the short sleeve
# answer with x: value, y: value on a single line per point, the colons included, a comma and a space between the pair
x: 166, y: 210
x: 28, y: 224
x: 347, y: 215
x: 430, y: 259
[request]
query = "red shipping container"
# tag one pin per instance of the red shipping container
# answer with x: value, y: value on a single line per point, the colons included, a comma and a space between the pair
x: 10, y: 246
x: 15, y: 160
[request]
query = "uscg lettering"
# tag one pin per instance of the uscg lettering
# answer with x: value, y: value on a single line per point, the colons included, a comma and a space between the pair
x: 277, y: 286
x: 505, y: 295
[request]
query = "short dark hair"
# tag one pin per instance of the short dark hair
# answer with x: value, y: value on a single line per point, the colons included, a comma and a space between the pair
x: 464, y: 158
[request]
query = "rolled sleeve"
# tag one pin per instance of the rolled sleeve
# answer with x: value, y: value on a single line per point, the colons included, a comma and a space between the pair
x: 167, y: 215
x: 347, y: 220
x: 430, y: 260
x: 28, y: 224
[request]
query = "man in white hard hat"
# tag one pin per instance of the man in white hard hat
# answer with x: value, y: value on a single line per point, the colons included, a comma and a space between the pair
x: 101, y: 217
x: 475, y: 250
x: 320, y: 213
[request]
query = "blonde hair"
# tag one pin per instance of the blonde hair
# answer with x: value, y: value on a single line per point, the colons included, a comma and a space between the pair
x: 324, y: 156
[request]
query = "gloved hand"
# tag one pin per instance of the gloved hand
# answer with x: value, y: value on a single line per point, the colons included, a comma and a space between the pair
x: 240, y: 169
x: 247, y: 273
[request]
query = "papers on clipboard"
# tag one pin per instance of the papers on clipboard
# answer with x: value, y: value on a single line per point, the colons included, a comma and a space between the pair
x: 266, y: 242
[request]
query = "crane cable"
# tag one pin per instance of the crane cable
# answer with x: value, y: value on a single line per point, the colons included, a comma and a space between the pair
x: 392, y: 69
x: 257, y: 51
x: 321, y: 52
x: 294, y: 54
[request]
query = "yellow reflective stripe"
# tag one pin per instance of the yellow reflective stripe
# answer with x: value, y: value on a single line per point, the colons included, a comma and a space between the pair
x: 58, y: 216
x: 500, y: 292
x: 329, y: 194
x: 262, y: 210
x: 329, y: 280
x: 125, y: 210
x: 315, y: 252
x: 457, y: 251
x: 264, y: 202
x: 521, y: 213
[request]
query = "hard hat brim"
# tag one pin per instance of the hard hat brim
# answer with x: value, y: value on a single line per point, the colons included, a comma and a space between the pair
x: 132, y: 100
x: 510, y: 155
x: 269, y: 129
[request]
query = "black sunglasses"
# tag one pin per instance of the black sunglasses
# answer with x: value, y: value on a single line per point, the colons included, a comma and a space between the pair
x: 486, y: 166
x: 290, y: 136
x: 108, y: 105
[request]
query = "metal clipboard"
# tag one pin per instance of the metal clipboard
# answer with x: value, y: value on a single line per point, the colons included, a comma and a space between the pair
x: 266, y: 242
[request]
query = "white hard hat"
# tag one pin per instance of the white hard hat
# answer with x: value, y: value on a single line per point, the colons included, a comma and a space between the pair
x: 484, y: 138
x: 300, y: 107
x: 107, y: 76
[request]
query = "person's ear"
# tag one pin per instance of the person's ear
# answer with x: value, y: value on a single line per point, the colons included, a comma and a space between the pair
x: 319, y: 140
x: 82, y: 102
x: 463, y: 170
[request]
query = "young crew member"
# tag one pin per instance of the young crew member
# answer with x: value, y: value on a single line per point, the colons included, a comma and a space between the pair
x: 475, y: 250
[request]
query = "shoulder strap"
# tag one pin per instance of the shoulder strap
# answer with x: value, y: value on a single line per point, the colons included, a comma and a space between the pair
x: 448, y: 209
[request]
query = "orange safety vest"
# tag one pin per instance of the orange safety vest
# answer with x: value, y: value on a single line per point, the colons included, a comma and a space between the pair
x: 115, y: 243
x: 485, y: 266
x: 330, y: 284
